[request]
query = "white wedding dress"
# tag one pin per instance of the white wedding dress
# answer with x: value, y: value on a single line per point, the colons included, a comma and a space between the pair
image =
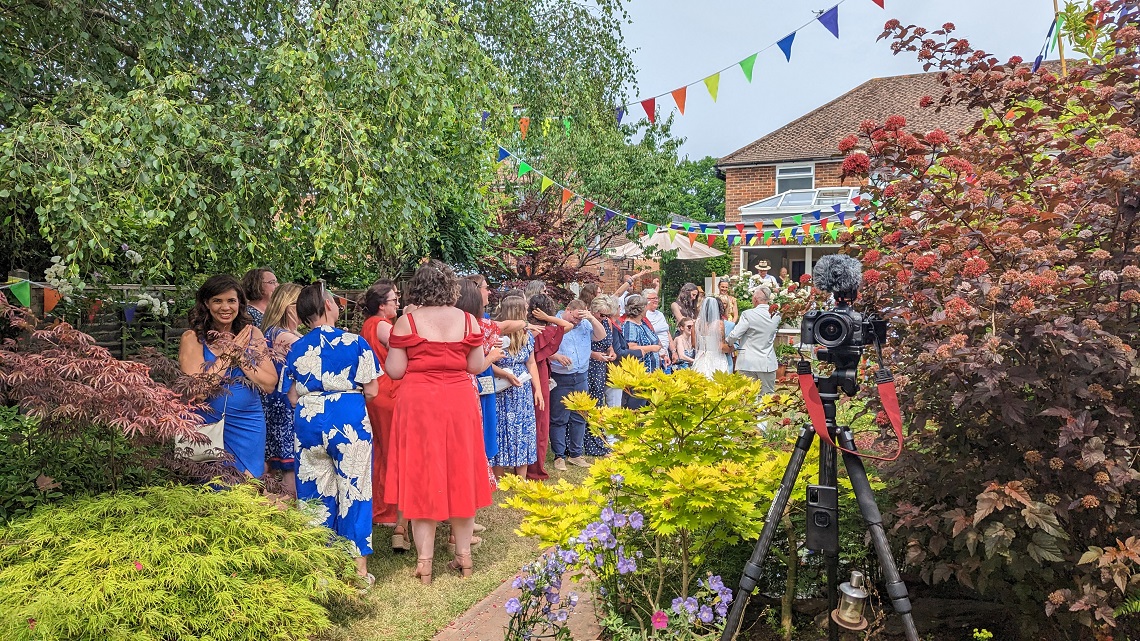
x: 710, y: 336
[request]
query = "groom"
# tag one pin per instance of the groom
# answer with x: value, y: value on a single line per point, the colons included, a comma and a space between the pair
x: 756, y: 334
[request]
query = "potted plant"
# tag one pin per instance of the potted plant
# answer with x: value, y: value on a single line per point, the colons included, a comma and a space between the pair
x: 786, y: 353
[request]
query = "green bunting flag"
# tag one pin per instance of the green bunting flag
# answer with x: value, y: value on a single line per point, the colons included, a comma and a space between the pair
x: 799, y: 218
x: 23, y: 292
x: 834, y: 234
x: 747, y: 64
x: 672, y: 235
x: 546, y: 183
x: 713, y: 83
x: 524, y: 168
x: 566, y: 123
x: 652, y: 229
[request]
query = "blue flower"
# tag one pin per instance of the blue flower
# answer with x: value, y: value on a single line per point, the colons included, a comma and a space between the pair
x: 617, y: 479
x: 626, y: 565
x: 562, y: 615
x: 715, y: 583
x: 517, y: 583
x: 636, y: 520
x: 706, y: 614
x: 619, y: 520
x: 573, y: 599
x: 691, y: 604
x: 569, y: 556
x: 722, y: 609
x: 607, y: 515
x: 512, y: 606
x: 553, y: 597
x: 678, y: 603
x: 610, y: 542
x: 726, y: 595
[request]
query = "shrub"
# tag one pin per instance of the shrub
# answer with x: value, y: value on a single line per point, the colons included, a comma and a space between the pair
x: 1007, y: 257
x: 170, y: 563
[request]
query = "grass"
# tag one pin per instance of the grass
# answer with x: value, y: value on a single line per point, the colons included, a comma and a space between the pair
x: 404, y: 610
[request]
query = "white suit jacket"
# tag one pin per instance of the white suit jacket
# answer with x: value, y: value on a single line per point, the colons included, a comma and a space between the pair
x: 755, y: 332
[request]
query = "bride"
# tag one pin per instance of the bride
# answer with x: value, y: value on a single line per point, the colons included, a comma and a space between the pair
x: 710, y: 338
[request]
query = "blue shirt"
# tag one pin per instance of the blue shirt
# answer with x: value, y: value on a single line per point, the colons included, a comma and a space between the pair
x: 576, y: 346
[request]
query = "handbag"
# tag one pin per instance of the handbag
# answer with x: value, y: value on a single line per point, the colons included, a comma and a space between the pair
x: 213, y: 449
x: 502, y: 384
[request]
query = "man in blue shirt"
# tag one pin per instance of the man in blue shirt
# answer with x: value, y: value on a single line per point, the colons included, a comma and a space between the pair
x: 568, y: 372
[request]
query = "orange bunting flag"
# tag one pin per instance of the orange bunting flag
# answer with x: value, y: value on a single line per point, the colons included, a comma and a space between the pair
x: 650, y: 107
x: 524, y: 124
x: 566, y: 196
x: 51, y: 299
x: 807, y: 228
x: 849, y: 222
x: 692, y: 237
x: 759, y: 226
x: 679, y: 98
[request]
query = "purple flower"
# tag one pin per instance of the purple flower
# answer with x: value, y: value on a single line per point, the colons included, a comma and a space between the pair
x: 619, y: 520
x: 573, y: 599
x: 721, y: 609
x: 691, y: 604
x: 561, y: 615
x: 626, y: 565
x: 617, y: 479
x: 529, y: 583
x: 607, y: 515
x: 124, y: 247
x: 678, y: 603
x: 599, y: 560
x: 705, y: 614
x: 715, y: 583
x: 569, y: 556
x: 517, y: 583
x: 610, y: 542
x: 636, y: 520
x: 553, y: 597
x: 726, y: 595
x: 512, y: 606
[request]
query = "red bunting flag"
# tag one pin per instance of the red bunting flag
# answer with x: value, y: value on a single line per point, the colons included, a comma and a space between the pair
x: 566, y: 196
x: 588, y: 207
x: 710, y: 239
x: 679, y: 98
x: 880, y: 3
x: 650, y: 107
x: 857, y: 200
x: 740, y: 228
x: 524, y: 124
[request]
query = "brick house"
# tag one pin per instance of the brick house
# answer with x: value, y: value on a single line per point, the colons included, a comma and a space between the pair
x: 796, y: 169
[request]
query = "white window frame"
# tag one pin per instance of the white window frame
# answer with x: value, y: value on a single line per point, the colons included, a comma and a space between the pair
x: 798, y: 165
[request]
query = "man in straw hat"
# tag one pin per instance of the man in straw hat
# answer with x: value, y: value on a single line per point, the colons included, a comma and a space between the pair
x: 766, y: 279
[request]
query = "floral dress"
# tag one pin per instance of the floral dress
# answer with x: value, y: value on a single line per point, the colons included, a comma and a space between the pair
x: 594, y: 444
x: 279, y: 435
x: 642, y: 335
x: 517, y: 429
x: 333, y: 436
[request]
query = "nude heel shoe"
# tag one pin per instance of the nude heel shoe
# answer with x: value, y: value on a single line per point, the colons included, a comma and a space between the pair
x: 401, y: 541
x: 461, y: 564
x: 423, y: 570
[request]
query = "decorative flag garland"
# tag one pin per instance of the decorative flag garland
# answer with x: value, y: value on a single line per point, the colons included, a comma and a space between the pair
x: 737, y: 237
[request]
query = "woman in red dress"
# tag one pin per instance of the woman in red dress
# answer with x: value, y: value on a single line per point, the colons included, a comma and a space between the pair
x: 547, y: 340
x: 437, y: 469
x: 382, y: 302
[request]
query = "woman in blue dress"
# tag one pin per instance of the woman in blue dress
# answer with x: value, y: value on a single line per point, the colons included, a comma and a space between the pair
x: 328, y: 375
x: 280, y: 326
x: 223, y: 342
x: 515, y: 406
x: 642, y: 340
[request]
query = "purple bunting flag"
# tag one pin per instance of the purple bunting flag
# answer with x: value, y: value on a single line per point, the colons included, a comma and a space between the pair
x: 830, y: 19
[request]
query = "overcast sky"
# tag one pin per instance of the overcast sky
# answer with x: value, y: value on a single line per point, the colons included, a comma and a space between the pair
x: 677, y: 42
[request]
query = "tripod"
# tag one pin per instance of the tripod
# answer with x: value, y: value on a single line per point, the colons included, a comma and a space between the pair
x: 827, y: 538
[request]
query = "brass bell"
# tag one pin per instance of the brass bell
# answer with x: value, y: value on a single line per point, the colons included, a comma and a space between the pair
x: 852, y: 598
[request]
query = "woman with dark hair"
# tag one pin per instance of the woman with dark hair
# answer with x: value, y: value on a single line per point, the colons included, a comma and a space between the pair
x: 381, y: 304
x: 687, y: 303
x: 218, y: 321
x: 437, y: 469
x: 281, y: 324
x: 258, y: 285
x: 547, y: 339
x: 588, y: 292
x: 329, y: 375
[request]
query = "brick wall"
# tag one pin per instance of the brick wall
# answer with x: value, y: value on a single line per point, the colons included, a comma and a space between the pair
x: 615, y: 269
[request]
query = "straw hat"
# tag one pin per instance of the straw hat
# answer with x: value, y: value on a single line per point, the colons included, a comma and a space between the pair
x: 763, y: 265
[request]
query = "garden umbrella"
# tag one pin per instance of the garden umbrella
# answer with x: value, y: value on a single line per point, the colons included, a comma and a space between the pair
x: 662, y: 241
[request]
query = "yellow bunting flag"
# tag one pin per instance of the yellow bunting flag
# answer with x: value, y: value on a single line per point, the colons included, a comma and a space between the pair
x: 713, y: 83
x: 672, y: 235
x: 546, y: 183
x: 779, y: 223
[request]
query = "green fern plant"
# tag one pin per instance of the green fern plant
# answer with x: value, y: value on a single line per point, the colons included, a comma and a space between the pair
x: 171, y: 563
x: 1130, y: 606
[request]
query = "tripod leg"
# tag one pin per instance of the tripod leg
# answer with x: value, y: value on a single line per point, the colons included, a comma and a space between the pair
x: 752, y: 568
x: 828, y: 473
x: 896, y: 589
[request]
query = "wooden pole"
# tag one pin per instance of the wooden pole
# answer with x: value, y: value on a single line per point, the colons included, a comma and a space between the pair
x: 1060, y: 41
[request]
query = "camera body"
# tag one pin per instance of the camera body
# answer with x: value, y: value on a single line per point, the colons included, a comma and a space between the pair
x: 841, y: 327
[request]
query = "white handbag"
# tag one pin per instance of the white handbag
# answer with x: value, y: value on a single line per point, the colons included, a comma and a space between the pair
x: 212, y: 449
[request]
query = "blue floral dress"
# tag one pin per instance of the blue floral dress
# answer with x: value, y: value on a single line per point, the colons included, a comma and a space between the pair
x: 279, y: 434
x: 333, y: 436
x: 518, y: 437
x: 642, y: 335
x: 593, y: 444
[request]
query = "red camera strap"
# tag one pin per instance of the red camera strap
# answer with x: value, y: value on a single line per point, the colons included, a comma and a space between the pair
x: 887, y: 395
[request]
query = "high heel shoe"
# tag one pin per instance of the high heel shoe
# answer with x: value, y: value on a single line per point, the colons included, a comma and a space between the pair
x: 461, y: 564
x: 423, y: 570
x: 475, y: 543
x: 401, y: 542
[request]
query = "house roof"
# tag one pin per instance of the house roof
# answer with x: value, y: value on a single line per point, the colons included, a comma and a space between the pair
x: 816, y: 134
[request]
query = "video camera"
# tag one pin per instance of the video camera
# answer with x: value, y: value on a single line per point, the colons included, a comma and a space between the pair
x: 842, y: 331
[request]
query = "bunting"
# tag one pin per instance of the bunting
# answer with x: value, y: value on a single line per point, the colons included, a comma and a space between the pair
x: 566, y: 196
x: 746, y: 66
x: 712, y: 83
x: 785, y: 45
x: 830, y: 20
x: 524, y: 125
x: 546, y: 183
x: 679, y: 98
x: 22, y: 290
x: 650, y: 107
x: 503, y: 154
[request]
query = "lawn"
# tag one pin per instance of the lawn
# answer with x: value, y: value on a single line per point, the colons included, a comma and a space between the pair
x: 403, y: 610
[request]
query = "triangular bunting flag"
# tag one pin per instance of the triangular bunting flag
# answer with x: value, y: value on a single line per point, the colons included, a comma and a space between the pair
x: 830, y: 19
x: 799, y: 218
x: 749, y: 237
x: 785, y: 45
x: 731, y: 238
x: 566, y: 196
x: 710, y: 239
x: 503, y: 154
x: 566, y: 124
x: 672, y: 235
x: 524, y: 168
x: 712, y: 83
x: 740, y: 228
x: 483, y: 120
x: 524, y: 125
x: 610, y: 215
x: 620, y: 114
x: 807, y: 228
x: 22, y: 290
x: 720, y: 228
x: 840, y: 214
x: 759, y: 226
x: 588, y: 206
x: 692, y: 237
x: 816, y: 236
x: 679, y: 98
x: 824, y: 223
x: 747, y: 64
x: 703, y: 227
x: 779, y: 222
x: 545, y: 127
x: 688, y: 226
x: 650, y: 107
x: 836, y: 207
x: 629, y: 222
x: 546, y: 183
x: 768, y: 237
x: 51, y: 299
x: 867, y: 219
x: 880, y: 3
x: 652, y: 230
x: 815, y: 214
x: 857, y: 200
x: 129, y: 313
x: 834, y: 234
x: 848, y: 223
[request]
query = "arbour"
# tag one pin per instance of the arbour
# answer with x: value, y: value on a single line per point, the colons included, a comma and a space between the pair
x: 1006, y: 258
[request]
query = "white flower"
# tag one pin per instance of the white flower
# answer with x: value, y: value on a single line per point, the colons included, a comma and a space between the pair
x: 356, y: 465
x: 366, y: 368
x: 310, y: 363
x: 316, y: 465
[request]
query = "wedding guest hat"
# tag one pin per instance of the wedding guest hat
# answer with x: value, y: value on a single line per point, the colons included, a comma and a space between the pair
x: 763, y: 265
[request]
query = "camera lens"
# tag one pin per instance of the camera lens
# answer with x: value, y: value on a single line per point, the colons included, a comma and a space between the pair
x: 832, y: 330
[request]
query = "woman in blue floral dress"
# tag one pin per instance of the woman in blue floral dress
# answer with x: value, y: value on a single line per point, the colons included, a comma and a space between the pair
x: 280, y: 326
x: 516, y: 405
x: 329, y: 373
x: 601, y: 355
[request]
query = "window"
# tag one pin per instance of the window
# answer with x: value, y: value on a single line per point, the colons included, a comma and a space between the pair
x: 795, y: 177
x: 798, y: 198
x: 829, y: 197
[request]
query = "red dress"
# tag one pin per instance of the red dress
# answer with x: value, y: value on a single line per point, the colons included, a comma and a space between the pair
x: 380, y: 416
x: 546, y: 344
x: 437, y: 468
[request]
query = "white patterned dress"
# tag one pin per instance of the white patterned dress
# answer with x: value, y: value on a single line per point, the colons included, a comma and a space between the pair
x: 333, y: 447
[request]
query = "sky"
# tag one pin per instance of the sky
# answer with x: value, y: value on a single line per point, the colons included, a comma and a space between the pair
x: 677, y: 42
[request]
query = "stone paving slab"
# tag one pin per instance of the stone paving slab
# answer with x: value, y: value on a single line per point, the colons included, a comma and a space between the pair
x: 487, y: 620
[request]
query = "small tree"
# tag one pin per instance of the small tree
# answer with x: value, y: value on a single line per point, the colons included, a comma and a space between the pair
x: 1006, y: 257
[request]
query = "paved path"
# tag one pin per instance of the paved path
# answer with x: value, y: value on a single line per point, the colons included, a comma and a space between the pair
x: 487, y: 621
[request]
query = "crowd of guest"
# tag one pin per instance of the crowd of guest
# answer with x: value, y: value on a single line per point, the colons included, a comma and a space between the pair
x: 410, y: 423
